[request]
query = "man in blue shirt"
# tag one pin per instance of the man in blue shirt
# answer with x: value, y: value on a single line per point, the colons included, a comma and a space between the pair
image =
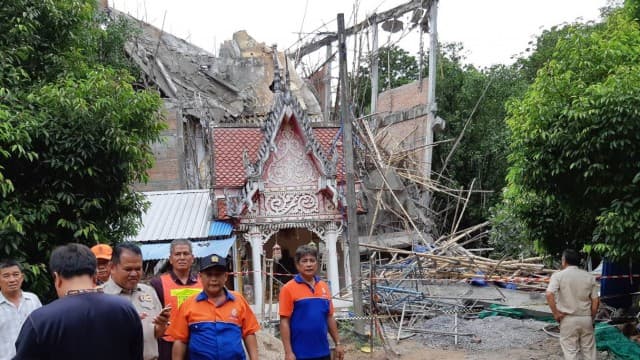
x: 306, y: 312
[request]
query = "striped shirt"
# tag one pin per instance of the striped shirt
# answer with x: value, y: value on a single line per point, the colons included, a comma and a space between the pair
x: 11, y: 319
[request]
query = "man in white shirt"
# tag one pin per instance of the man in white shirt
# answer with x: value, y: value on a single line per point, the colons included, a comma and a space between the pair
x: 572, y: 295
x: 15, y: 306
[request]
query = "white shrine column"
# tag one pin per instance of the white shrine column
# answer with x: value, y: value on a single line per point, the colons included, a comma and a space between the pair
x: 347, y: 268
x: 331, y: 239
x: 255, y: 239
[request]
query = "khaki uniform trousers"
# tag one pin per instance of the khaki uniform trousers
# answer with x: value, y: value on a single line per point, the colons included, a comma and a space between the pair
x: 577, y: 337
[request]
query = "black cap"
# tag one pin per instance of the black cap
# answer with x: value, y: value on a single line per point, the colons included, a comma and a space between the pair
x: 213, y: 260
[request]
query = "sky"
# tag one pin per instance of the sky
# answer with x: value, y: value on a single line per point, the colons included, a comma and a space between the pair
x: 491, y: 31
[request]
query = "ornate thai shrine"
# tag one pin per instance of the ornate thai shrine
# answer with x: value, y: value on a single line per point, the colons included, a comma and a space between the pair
x: 279, y: 185
x: 243, y: 125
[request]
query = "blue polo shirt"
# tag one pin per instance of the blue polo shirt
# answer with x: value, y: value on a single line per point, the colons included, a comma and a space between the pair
x: 214, y: 332
x: 307, y: 309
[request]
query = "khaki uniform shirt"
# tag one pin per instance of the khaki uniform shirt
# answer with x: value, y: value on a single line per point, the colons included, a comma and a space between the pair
x: 573, y: 288
x: 146, y: 302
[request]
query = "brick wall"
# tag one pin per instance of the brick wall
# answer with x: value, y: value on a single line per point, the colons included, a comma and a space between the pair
x: 165, y: 173
x: 403, y: 97
x: 400, y: 128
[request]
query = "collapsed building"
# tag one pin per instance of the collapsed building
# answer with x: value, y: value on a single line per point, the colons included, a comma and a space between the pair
x: 246, y: 127
x: 245, y: 130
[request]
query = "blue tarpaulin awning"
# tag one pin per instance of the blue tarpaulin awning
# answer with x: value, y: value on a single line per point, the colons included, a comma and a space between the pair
x: 204, y: 248
x: 220, y: 228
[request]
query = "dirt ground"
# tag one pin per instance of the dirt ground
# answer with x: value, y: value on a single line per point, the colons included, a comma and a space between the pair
x: 414, y: 349
x: 409, y: 349
x: 418, y: 348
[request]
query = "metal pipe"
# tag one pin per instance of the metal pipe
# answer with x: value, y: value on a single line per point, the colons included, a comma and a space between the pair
x: 424, y: 331
x: 404, y: 306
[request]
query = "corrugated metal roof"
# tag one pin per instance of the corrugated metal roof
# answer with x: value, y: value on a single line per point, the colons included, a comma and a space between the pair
x: 179, y: 214
x: 220, y: 228
x: 200, y: 248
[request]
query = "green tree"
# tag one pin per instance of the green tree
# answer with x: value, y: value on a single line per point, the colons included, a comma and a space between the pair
x: 575, y: 150
x: 476, y: 98
x: 74, y: 133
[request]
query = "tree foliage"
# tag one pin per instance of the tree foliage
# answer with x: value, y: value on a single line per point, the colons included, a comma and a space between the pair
x: 475, y: 99
x: 575, y: 146
x: 74, y: 134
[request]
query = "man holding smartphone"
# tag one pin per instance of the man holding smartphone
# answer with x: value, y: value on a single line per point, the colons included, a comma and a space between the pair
x: 126, y: 272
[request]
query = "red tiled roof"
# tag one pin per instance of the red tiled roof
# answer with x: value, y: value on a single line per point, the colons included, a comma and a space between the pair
x: 229, y: 143
x: 228, y: 146
x: 325, y: 137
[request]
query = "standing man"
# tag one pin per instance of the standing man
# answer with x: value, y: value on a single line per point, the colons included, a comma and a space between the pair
x: 175, y: 286
x: 213, y: 323
x: 83, y: 323
x: 15, y: 306
x: 306, y: 312
x: 126, y: 272
x: 572, y: 295
x: 103, y: 254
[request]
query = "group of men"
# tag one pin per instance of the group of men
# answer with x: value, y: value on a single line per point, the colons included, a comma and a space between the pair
x: 105, y: 312
x: 193, y: 315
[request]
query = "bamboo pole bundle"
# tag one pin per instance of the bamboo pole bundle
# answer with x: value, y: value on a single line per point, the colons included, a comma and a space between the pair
x: 465, y: 264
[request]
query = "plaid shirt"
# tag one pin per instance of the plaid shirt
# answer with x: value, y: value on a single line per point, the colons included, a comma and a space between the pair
x: 11, y: 319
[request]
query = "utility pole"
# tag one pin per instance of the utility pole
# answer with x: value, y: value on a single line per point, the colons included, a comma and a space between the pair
x: 352, y: 219
x: 374, y: 63
x: 432, y: 105
x: 327, y: 85
x: 394, y: 13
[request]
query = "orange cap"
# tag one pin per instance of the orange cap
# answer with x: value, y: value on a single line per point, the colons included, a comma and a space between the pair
x: 102, y: 251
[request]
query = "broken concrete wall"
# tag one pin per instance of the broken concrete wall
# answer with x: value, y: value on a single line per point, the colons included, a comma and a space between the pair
x: 396, y: 135
x: 249, y: 64
x: 402, y: 119
x: 197, y: 152
x: 204, y: 91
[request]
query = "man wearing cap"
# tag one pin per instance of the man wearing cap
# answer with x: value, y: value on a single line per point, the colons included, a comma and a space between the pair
x: 103, y: 255
x: 306, y: 312
x: 126, y: 272
x: 15, y: 306
x: 175, y: 286
x: 213, y: 323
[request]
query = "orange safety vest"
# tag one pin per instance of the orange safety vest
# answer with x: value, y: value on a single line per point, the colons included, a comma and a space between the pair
x: 176, y: 294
